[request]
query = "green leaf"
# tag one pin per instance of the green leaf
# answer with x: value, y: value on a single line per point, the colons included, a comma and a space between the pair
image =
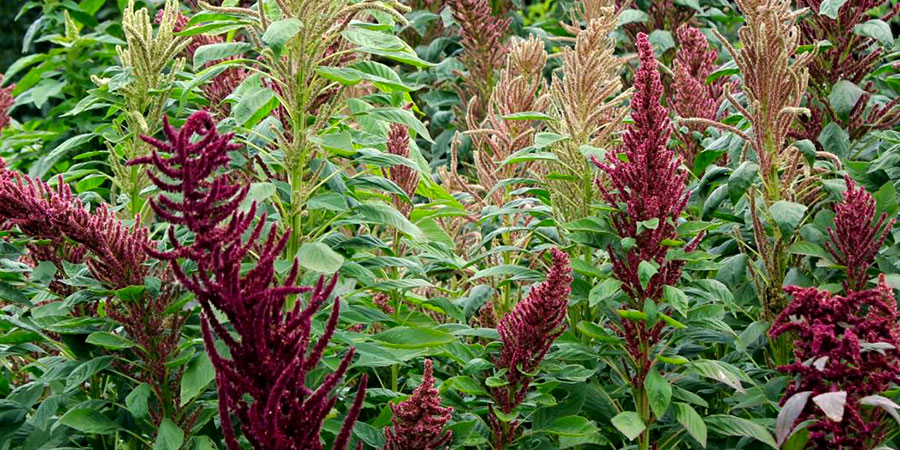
x: 414, y: 337
x: 108, y: 340
x: 725, y: 425
x: 713, y: 201
x: 198, y: 374
x: 646, y: 271
x: 280, y: 32
x: 691, y: 421
x: 659, y: 392
x: 254, y: 107
x: 630, y: 424
x: 808, y: 248
x: 830, y: 8
x: 676, y: 298
x: 528, y: 115
x: 741, y: 180
x: 136, y: 401
x: 603, y: 291
x: 403, y: 117
x: 89, y: 421
x: 87, y: 370
x: 787, y: 215
x: 719, y: 371
x: 46, y: 162
x: 216, y: 52
x: 597, y: 332
x: 383, y: 214
x: 571, y: 426
x: 632, y: 16
x: 319, y: 257
x: 886, y: 200
x: 876, y: 29
x: 169, y: 436
x: 844, y: 96
x: 751, y: 334
x: 12, y: 294
x: 510, y: 272
x: 465, y: 385
x: 835, y: 140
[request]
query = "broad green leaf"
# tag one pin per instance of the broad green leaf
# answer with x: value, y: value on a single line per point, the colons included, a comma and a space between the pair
x: 597, y: 332
x: 509, y: 272
x: 206, y: 54
x: 876, y: 29
x: 831, y: 8
x: 198, y: 374
x: 319, y: 257
x: 254, y: 107
x: 725, y: 425
x: 659, y: 392
x: 403, y: 117
x: 844, y: 96
x: 136, y: 401
x: 12, y: 294
x: 646, y: 271
x: 630, y: 424
x: 383, y: 214
x: 741, y: 180
x: 787, y: 215
x: 719, y: 371
x: 528, y: 115
x: 108, y: 340
x: 835, y: 140
x: 87, y: 370
x: 414, y: 337
x: 632, y: 16
x: 691, y: 421
x: 89, y: 421
x: 603, y: 291
x: 169, y: 436
x: 571, y: 426
x: 280, y: 32
x: 676, y: 298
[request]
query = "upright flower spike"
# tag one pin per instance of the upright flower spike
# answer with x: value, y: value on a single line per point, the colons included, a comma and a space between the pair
x: 530, y: 329
x: 263, y: 383
x: 419, y: 421
x: 482, y: 35
x: 694, y: 61
x: 6, y: 102
x: 527, y: 334
x: 587, y: 99
x: 856, y: 236
x: 404, y: 176
x: 831, y: 334
x: 647, y: 185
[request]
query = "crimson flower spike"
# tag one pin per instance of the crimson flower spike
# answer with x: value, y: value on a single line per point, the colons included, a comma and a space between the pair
x: 647, y: 185
x: 830, y: 355
x: 527, y: 333
x: 6, y: 102
x: 72, y: 230
x: 403, y: 176
x: 530, y: 329
x: 856, y: 236
x: 694, y: 62
x: 264, y: 382
x: 419, y: 421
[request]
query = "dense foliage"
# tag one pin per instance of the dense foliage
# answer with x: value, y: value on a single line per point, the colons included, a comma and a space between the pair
x: 423, y: 225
